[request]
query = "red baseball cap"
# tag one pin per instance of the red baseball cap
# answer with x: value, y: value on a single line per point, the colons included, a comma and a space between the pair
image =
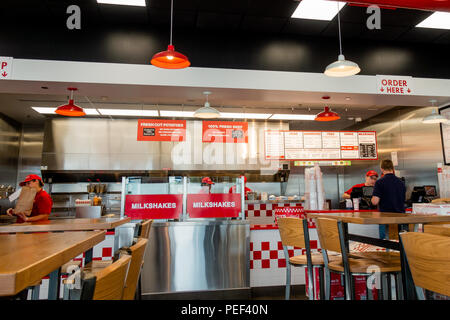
x: 372, y: 173
x: 207, y: 180
x: 29, y: 178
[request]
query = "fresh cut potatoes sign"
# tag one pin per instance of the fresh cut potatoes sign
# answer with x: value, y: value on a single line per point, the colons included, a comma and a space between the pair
x: 395, y: 85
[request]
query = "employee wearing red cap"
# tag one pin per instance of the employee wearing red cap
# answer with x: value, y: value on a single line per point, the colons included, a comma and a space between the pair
x: 206, y: 185
x: 42, y: 204
x: 246, y: 190
x: 371, y: 178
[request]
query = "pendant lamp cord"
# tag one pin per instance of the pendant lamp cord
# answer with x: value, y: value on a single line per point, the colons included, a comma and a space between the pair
x: 339, y: 26
x: 171, y: 21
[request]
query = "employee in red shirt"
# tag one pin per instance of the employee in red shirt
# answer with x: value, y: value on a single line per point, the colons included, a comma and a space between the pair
x: 206, y: 185
x: 371, y: 178
x: 246, y: 190
x: 42, y: 205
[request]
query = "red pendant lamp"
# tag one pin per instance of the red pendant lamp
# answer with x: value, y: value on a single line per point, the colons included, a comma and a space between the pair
x: 327, y: 115
x: 70, y: 109
x: 170, y: 59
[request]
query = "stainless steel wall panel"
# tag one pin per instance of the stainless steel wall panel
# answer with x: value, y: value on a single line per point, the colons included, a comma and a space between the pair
x: 79, y: 140
x: 197, y: 256
x: 10, y: 136
x: 418, y: 147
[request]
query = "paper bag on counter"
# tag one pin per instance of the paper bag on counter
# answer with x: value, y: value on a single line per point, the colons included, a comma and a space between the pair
x: 26, y: 199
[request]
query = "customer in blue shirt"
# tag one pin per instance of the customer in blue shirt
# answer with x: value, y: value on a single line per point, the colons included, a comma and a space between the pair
x: 389, y: 193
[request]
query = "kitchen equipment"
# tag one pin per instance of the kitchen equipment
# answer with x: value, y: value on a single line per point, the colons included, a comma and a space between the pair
x: 101, y: 188
x: 6, y: 219
x: 90, y: 188
x: 88, y: 212
x: 251, y: 195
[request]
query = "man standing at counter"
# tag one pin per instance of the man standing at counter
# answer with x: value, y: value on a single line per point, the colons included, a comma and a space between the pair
x: 42, y: 205
x: 246, y: 190
x: 389, y: 193
x: 371, y: 178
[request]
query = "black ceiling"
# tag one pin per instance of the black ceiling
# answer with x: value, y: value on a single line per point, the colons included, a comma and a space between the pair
x: 247, y: 16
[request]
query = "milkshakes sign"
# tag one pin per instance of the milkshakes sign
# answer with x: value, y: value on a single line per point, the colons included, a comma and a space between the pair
x: 395, y: 85
x: 214, y: 205
x: 154, y: 206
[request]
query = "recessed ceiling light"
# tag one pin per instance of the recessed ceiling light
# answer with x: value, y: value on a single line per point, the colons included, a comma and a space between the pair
x: 128, y: 112
x: 139, y: 3
x: 309, y: 117
x: 231, y: 115
x: 348, y: 98
x: 169, y: 113
x: 317, y: 10
x: 438, y: 20
x: 44, y: 110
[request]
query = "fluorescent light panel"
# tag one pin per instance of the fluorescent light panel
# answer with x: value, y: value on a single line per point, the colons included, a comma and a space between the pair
x: 128, y: 112
x: 293, y: 117
x: 44, y: 110
x: 169, y: 113
x: 139, y: 3
x: 317, y: 9
x: 231, y: 115
x: 438, y: 20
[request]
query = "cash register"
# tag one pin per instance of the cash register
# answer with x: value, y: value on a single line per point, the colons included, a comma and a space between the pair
x: 365, y: 196
x: 423, y: 194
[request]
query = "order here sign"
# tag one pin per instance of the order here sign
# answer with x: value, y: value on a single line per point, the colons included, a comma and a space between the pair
x: 395, y: 85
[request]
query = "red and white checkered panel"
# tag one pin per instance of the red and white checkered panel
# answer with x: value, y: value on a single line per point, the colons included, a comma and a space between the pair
x: 270, y: 254
x: 102, y: 251
x: 264, y: 213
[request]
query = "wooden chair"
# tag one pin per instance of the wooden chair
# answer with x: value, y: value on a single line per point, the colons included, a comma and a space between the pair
x: 145, y: 227
x: 136, y: 252
x: 428, y: 257
x: 143, y: 232
x: 110, y: 281
x: 440, y: 230
x: 294, y: 233
x: 137, y: 256
x: 331, y: 237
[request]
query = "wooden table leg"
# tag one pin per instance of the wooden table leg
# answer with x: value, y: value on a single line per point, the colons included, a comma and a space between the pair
x: 88, y: 256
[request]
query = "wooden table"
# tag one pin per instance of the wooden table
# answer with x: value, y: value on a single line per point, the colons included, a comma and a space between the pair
x: 26, y: 258
x: 80, y: 224
x: 374, y: 217
x: 439, y: 229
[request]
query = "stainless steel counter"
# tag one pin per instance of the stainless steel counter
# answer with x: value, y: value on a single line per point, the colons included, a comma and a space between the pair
x: 197, y: 255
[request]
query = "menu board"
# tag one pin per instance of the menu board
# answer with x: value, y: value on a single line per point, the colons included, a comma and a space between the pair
x: 445, y: 134
x: 321, y: 145
x: 274, y: 144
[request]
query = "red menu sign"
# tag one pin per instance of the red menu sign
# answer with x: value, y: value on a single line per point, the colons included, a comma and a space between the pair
x: 214, y: 205
x: 225, y: 132
x: 161, y: 130
x: 154, y: 206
